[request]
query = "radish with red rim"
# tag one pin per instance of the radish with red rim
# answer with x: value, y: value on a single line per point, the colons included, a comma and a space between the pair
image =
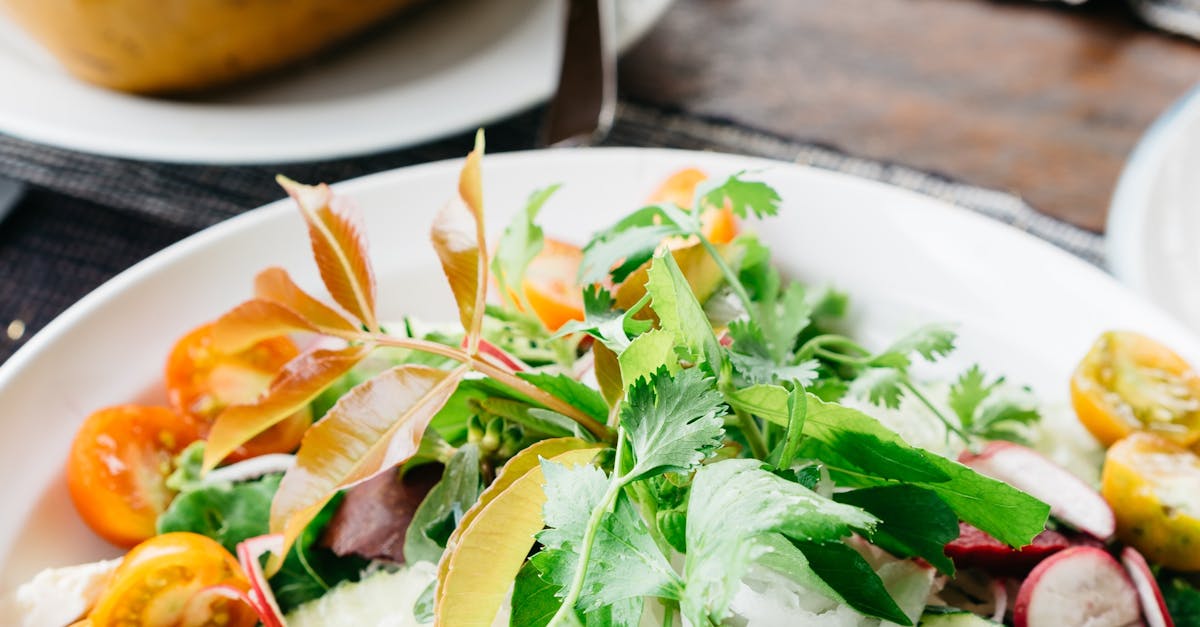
x: 1070, y: 499
x: 1081, y: 586
x: 1154, y: 608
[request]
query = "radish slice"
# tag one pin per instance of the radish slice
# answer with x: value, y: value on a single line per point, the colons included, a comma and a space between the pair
x: 1070, y: 499
x: 261, y: 597
x: 1079, y: 586
x: 1000, y: 595
x: 1154, y: 608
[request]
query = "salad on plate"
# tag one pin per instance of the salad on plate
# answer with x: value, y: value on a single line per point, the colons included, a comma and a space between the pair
x: 655, y: 428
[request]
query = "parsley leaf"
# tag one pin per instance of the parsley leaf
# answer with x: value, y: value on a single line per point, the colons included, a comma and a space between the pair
x: 880, y: 386
x: 985, y: 412
x: 603, y: 321
x: 721, y: 546
x: 623, y: 247
x: 673, y: 422
x: 519, y: 245
x: 622, y: 560
x: 930, y: 342
x: 743, y: 197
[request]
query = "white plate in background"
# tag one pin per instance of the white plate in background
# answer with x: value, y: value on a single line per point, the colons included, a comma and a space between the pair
x: 1022, y: 307
x: 445, y: 68
x: 1153, y: 234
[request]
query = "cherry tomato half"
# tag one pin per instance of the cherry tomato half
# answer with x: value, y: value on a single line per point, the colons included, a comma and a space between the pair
x: 118, y: 465
x: 169, y: 580
x: 1152, y: 486
x: 202, y: 382
x: 550, y: 284
x: 1129, y: 382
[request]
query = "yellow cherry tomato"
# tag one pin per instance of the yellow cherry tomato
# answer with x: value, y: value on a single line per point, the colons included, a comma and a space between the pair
x: 1129, y: 382
x: 1153, y: 486
x: 550, y: 284
x: 170, y: 580
x: 720, y: 226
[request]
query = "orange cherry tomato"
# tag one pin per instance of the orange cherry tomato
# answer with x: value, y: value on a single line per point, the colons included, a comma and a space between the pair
x: 719, y: 226
x: 1129, y: 382
x: 118, y: 465
x: 202, y: 382
x: 170, y: 581
x: 550, y: 285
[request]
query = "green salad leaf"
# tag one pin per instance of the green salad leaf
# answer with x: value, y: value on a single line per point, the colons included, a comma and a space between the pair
x: 519, y: 245
x: 673, y: 422
x: 444, y: 506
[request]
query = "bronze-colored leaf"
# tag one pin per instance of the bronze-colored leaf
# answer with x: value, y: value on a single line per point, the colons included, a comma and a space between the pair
x: 372, y: 428
x: 254, y: 321
x: 275, y: 285
x: 492, y: 541
x: 339, y: 248
x: 459, y: 239
x: 608, y: 373
x: 300, y: 381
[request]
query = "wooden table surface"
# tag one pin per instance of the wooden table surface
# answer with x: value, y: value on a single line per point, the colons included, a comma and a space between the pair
x: 1041, y: 100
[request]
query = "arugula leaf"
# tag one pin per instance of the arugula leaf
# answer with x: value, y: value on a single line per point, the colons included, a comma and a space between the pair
x: 444, y: 506
x: 859, y: 451
x: 742, y: 196
x: 623, y: 247
x: 573, y: 392
x: 1183, y: 601
x: 916, y: 523
x: 673, y: 422
x: 679, y: 313
x: 309, y: 571
x: 621, y: 559
x: 722, y: 546
x: 847, y: 572
x: 519, y: 245
x: 603, y: 321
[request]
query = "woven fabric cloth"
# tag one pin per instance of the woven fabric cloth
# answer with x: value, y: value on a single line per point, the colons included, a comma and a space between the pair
x: 87, y: 217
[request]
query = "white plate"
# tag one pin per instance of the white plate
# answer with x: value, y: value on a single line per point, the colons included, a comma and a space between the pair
x: 1022, y: 307
x: 449, y: 67
x: 1154, y: 219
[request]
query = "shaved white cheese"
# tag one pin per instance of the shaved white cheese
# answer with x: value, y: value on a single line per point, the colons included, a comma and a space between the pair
x: 60, y: 596
x: 381, y: 599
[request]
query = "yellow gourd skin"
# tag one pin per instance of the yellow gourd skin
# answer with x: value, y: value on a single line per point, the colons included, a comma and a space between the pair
x: 1153, y: 486
x: 177, y: 46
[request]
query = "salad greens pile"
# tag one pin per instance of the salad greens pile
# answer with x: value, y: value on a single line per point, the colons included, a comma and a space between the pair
x: 714, y: 441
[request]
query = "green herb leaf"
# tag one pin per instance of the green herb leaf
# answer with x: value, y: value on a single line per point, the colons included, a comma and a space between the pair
x: 519, y: 245
x: 916, y: 523
x: 845, y: 570
x: 721, y: 546
x: 622, y: 248
x: 743, y: 197
x: 444, y: 506
x: 679, y: 313
x: 673, y: 422
x: 227, y: 513
x: 646, y: 354
x: 533, y: 600
x: 880, y: 386
x: 622, y: 561
x: 573, y: 392
x: 1183, y: 601
x: 930, y: 342
x: 603, y: 321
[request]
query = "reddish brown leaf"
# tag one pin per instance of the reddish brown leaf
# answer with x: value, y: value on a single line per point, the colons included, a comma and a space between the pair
x: 372, y: 520
x: 254, y: 321
x: 275, y: 285
x: 370, y: 430
x: 459, y: 239
x: 339, y: 248
x: 300, y: 381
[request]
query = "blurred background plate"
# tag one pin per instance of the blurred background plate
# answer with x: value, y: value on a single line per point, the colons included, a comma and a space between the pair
x: 441, y: 69
x: 1154, y: 218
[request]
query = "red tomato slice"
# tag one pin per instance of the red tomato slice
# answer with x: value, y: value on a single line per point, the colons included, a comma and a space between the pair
x: 118, y: 465
x: 202, y: 382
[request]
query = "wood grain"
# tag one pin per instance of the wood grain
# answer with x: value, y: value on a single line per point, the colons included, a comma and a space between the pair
x: 1040, y: 100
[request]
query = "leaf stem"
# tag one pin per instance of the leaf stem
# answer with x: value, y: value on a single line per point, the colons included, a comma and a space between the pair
x: 817, y: 346
x: 670, y: 606
x: 730, y: 276
x: 754, y: 437
x: 498, y: 373
x: 950, y: 426
x: 567, y: 609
